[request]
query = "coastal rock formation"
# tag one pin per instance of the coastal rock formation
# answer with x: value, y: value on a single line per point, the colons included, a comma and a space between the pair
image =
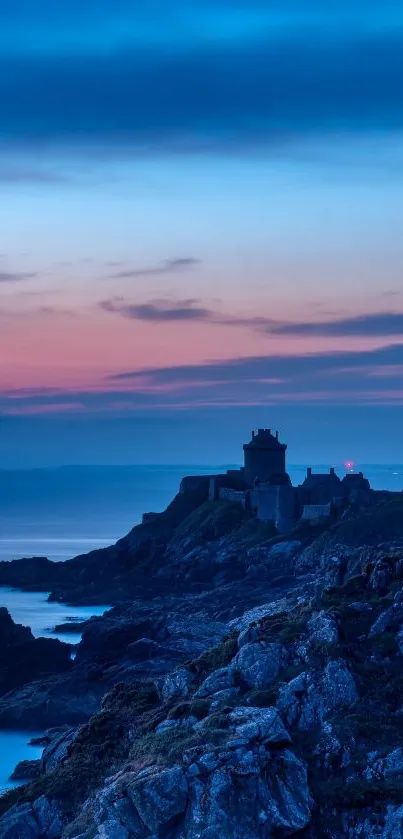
x: 56, y: 749
x: 310, y: 698
x: 26, y: 770
x: 259, y: 664
x: 24, y: 658
x: 12, y: 633
x: 215, y: 702
x: 40, y: 819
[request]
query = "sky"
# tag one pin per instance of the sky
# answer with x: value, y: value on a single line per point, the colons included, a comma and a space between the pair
x: 200, y: 229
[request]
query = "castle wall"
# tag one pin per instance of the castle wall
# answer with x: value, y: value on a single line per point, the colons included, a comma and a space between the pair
x: 313, y: 512
x: 231, y: 480
x: 233, y: 495
x: 322, y: 493
x: 276, y: 504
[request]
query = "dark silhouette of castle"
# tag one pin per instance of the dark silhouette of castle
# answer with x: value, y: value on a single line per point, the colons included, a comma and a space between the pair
x: 263, y: 486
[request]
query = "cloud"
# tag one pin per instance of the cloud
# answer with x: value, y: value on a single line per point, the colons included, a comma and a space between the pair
x: 158, y: 310
x: 183, y: 310
x: 260, y: 80
x: 375, y: 325
x: 268, y: 367
x: 169, y: 266
x: 191, y: 309
x: 332, y: 378
x: 379, y: 324
x: 15, y: 276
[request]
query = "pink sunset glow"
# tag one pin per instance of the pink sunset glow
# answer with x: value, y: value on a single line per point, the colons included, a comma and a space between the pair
x: 224, y: 251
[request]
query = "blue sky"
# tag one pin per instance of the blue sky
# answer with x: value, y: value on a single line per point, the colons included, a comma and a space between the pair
x: 201, y: 218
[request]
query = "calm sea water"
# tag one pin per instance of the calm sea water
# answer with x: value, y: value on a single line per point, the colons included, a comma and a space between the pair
x: 14, y: 746
x: 60, y: 513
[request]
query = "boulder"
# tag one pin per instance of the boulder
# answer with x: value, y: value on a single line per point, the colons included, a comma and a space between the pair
x: 263, y: 724
x: 249, y: 799
x: 248, y: 635
x: 259, y: 664
x: 388, y: 619
x: 57, y: 749
x: 159, y: 796
x: 111, y: 829
x: 48, y: 816
x: 19, y: 823
x: 339, y: 688
x: 219, y: 680
x: 387, y: 767
x: 40, y: 820
x: 301, y: 703
x: 393, y: 824
x: 241, y: 793
x: 114, y: 812
x: 311, y: 697
x: 323, y: 629
x: 276, y: 607
x: 177, y: 685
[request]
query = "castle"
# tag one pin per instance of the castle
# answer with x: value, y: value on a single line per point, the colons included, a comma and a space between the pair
x: 263, y: 486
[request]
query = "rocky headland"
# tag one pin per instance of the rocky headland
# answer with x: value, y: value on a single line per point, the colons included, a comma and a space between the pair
x: 244, y: 685
x: 24, y: 658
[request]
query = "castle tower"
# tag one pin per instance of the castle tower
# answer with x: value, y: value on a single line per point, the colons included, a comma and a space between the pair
x: 264, y: 458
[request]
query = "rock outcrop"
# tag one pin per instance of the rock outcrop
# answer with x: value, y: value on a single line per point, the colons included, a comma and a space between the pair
x: 218, y: 701
x: 40, y: 819
x: 24, y: 658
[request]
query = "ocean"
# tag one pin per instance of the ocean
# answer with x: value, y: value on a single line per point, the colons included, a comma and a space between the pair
x: 60, y: 513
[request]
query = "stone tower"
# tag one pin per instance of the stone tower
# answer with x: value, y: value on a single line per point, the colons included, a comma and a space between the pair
x: 264, y: 458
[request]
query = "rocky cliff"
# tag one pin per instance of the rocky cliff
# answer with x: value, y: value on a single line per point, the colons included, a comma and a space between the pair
x: 24, y: 658
x: 244, y: 686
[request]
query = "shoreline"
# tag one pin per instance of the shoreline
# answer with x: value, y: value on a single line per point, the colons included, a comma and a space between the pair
x: 218, y: 616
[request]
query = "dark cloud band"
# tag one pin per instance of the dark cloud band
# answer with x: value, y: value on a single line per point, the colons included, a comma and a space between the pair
x: 236, y: 91
x: 183, y: 310
x: 377, y: 324
x: 349, y: 378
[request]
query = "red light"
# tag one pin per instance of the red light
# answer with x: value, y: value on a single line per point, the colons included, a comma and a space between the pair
x: 349, y: 465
